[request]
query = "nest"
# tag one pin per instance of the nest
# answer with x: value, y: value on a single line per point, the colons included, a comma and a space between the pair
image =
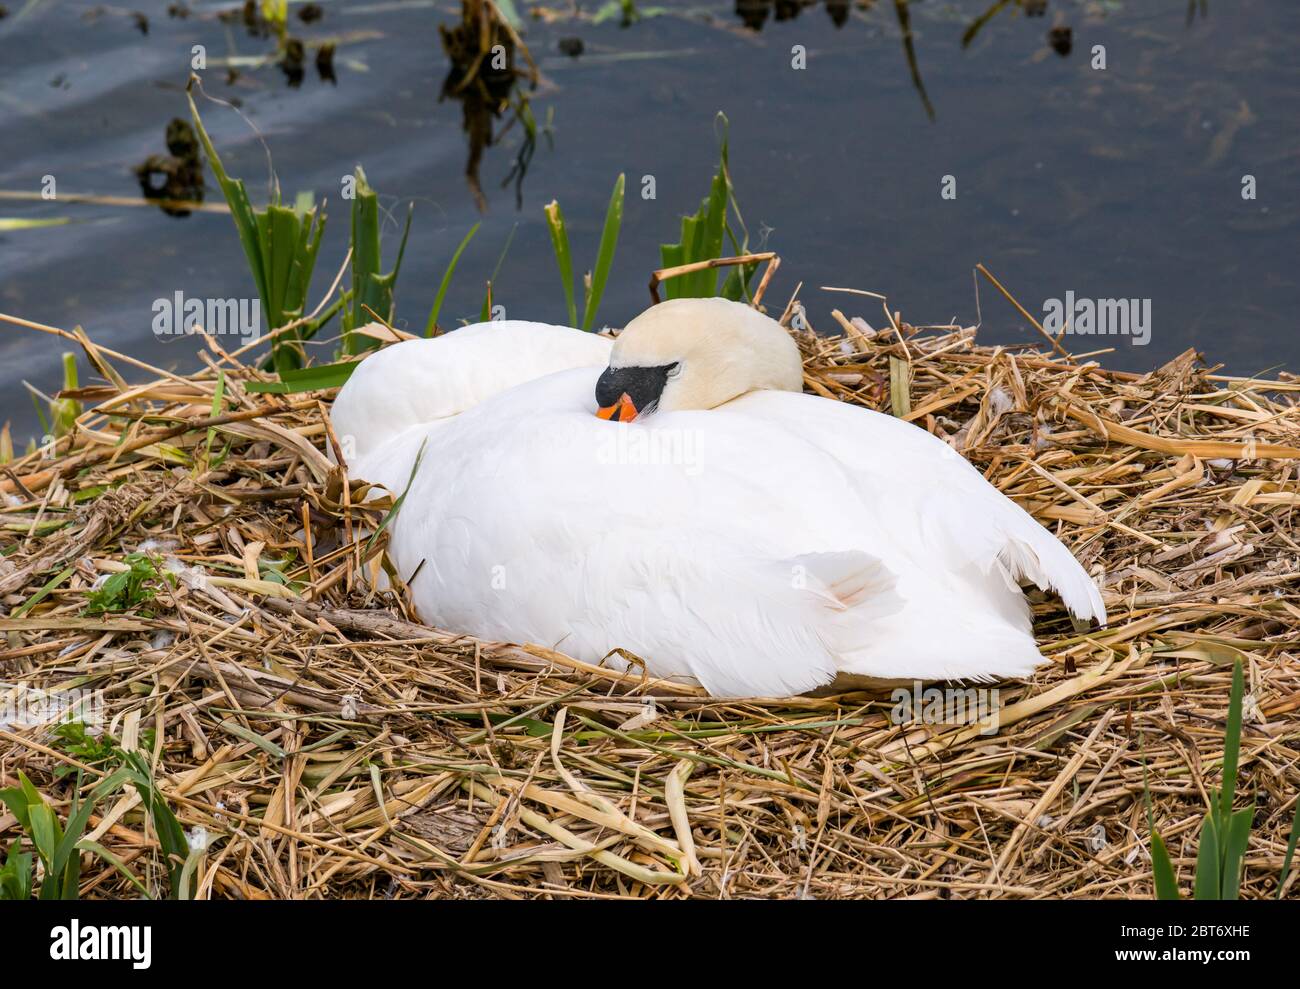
x: 329, y: 745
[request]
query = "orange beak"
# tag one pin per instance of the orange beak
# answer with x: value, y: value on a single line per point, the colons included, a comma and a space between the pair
x: 621, y: 411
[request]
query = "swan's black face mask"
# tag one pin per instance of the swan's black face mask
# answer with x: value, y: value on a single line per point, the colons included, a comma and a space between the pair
x: 623, y: 393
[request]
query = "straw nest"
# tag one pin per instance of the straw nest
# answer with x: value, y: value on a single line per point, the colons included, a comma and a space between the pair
x: 332, y: 746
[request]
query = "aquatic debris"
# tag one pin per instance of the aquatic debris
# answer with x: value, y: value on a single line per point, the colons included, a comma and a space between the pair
x: 570, y: 46
x: 176, y: 178
x: 1061, y: 38
x: 325, y: 63
x: 250, y: 14
x: 291, y: 62
x: 275, y: 13
x: 754, y: 13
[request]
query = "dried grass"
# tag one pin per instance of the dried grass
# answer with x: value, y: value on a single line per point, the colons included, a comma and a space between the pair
x: 332, y: 747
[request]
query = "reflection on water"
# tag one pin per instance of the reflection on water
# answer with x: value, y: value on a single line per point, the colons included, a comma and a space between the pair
x: 754, y: 13
x: 484, y: 78
x: 1060, y: 36
x: 1030, y: 8
x: 250, y: 15
x: 490, y: 75
x: 903, y: 11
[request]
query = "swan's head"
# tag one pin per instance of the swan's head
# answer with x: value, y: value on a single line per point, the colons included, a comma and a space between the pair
x: 695, y: 354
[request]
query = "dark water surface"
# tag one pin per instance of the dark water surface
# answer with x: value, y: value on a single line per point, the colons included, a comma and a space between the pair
x: 1123, y: 182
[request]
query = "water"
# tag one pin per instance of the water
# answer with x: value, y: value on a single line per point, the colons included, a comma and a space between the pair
x: 1117, y: 183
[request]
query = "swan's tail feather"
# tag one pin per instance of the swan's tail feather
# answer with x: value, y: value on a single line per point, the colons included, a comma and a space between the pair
x: 1048, y: 564
x: 1008, y: 546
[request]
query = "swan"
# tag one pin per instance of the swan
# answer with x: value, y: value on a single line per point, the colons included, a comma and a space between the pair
x: 683, y: 505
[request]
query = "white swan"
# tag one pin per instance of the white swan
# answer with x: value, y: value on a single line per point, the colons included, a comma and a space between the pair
x: 723, y: 527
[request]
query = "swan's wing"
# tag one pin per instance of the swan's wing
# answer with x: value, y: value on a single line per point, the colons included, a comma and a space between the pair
x: 930, y: 489
x: 420, y: 381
